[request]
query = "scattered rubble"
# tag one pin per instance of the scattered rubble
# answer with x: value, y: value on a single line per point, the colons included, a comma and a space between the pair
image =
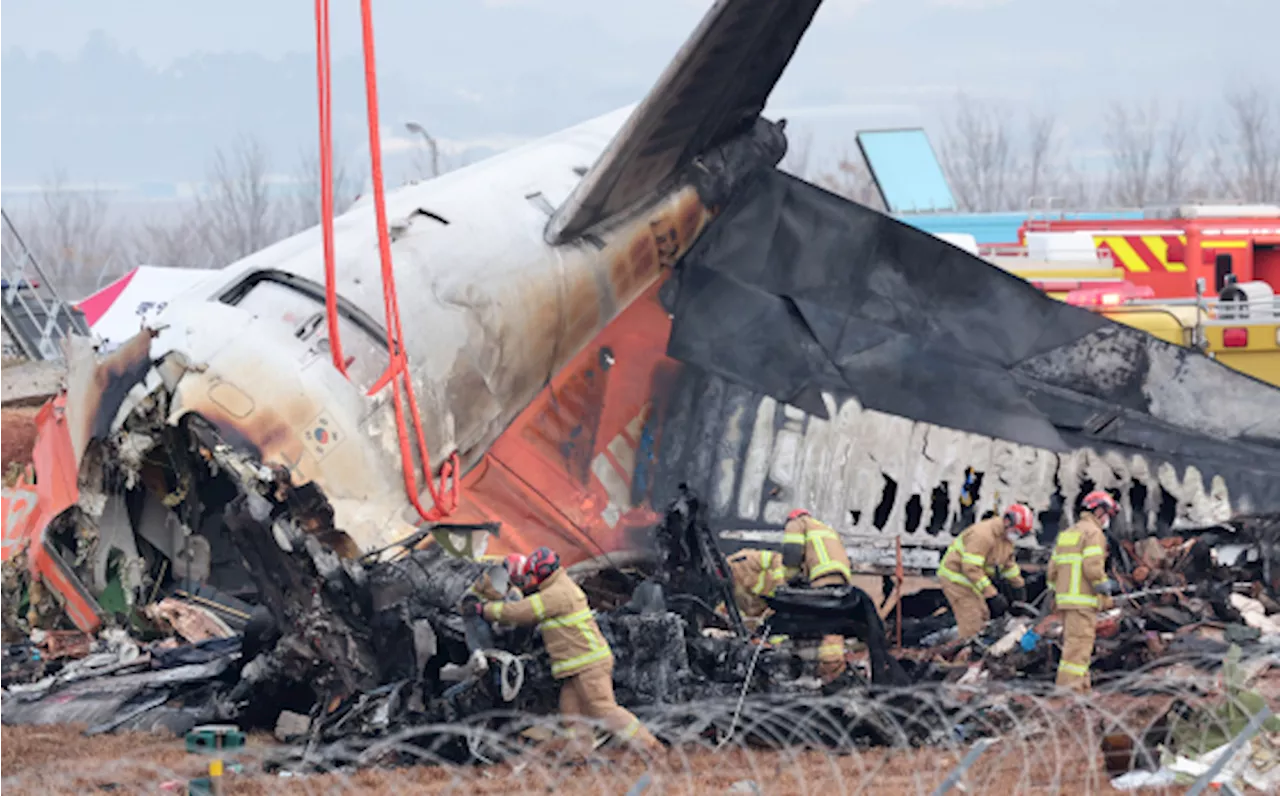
x: 222, y: 592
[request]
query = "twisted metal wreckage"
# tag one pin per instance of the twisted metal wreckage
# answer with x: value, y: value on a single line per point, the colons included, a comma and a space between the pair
x: 689, y: 321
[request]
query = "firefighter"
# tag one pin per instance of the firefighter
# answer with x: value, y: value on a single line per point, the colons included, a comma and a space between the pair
x: 515, y: 563
x: 814, y: 551
x: 977, y: 554
x: 580, y: 657
x: 485, y: 589
x: 756, y: 574
x: 1077, y: 576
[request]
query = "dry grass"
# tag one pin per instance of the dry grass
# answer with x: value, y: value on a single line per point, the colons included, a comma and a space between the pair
x: 61, y: 760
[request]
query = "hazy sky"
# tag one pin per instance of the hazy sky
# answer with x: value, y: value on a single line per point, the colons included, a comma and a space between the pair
x: 143, y: 90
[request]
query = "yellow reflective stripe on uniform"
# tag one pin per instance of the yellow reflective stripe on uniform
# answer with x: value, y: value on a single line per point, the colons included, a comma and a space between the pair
x: 539, y: 610
x: 1068, y: 538
x: 1011, y: 571
x: 982, y: 584
x: 579, y: 661
x: 497, y: 611
x: 1075, y: 561
x: 1086, y: 600
x: 829, y: 567
x: 825, y: 564
x: 1077, y: 669
x: 956, y: 577
x: 568, y: 619
x: 630, y: 730
x: 766, y: 558
x: 778, y: 573
x: 973, y: 558
x: 793, y: 538
x: 831, y: 649
x: 1090, y: 551
x: 581, y: 619
x: 761, y: 581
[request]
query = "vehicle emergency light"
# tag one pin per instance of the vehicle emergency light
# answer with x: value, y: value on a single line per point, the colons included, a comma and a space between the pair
x: 1235, y: 337
x: 1110, y: 296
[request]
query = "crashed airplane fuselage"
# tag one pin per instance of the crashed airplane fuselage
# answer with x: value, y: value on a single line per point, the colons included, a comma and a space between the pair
x: 537, y: 313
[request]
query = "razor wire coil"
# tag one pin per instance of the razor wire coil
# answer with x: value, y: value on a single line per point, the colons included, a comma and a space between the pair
x: 903, y: 740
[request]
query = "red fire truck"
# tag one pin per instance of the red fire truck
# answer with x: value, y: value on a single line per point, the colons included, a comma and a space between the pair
x: 1168, y: 250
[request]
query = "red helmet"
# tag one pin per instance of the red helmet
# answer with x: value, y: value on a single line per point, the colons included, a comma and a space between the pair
x: 515, y: 568
x: 539, y: 566
x: 1019, y: 518
x: 1097, y: 499
x: 798, y: 513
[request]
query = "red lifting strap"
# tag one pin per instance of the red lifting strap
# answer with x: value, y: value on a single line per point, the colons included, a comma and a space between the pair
x: 326, y: 182
x: 397, y: 373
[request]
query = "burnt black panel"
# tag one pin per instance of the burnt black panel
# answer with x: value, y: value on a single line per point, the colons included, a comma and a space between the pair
x: 794, y: 291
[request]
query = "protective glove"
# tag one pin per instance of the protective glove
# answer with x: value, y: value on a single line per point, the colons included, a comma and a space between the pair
x: 1107, y: 587
x: 1020, y: 594
x: 472, y: 605
x: 997, y: 605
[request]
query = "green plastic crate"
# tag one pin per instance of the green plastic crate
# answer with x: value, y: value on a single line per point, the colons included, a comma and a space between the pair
x: 214, y: 738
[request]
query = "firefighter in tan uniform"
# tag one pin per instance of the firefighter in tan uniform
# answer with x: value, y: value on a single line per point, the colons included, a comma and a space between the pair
x: 580, y: 657
x: 485, y: 589
x: 977, y: 554
x: 817, y: 553
x: 756, y: 574
x: 1077, y: 578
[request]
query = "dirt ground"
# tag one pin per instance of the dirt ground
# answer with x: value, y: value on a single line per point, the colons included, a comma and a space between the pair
x: 61, y: 760
x: 17, y: 434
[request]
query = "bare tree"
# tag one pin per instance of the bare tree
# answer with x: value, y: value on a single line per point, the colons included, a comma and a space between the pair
x: 1077, y: 187
x: 237, y: 214
x: 1042, y: 154
x: 74, y: 236
x: 1253, y: 139
x: 1174, y: 177
x: 1131, y: 133
x: 306, y: 205
x: 852, y: 180
x: 978, y: 155
x: 173, y: 240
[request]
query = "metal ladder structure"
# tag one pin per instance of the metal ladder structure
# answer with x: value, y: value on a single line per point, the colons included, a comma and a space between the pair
x: 36, y: 318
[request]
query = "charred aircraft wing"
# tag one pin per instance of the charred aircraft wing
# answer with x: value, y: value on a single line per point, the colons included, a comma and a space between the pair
x: 799, y: 294
x: 713, y: 90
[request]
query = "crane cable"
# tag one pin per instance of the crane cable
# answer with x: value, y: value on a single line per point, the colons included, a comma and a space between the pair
x: 397, y: 372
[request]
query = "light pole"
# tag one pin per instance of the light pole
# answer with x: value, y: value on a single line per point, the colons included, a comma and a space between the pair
x: 414, y: 127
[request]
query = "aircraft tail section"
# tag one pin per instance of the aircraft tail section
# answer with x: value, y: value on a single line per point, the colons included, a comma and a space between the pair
x: 713, y: 90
